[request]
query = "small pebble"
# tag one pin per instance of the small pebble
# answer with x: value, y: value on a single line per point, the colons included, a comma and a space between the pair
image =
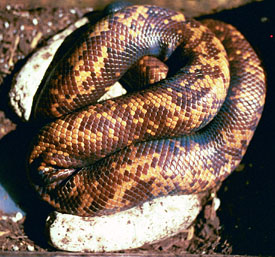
x: 264, y: 19
x: 17, y: 217
x: 15, y: 248
x: 34, y: 21
x: 73, y: 11
x: 4, y: 217
x: 6, y: 24
x: 217, y: 203
x: 30, y: 248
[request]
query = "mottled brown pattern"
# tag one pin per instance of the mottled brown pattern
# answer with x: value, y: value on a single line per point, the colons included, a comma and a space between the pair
x: 176, y: 136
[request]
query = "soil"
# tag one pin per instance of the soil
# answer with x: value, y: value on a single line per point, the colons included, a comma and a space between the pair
x: 244, y: 222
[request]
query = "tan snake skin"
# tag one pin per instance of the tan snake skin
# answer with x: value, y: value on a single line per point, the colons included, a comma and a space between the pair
x: 180, y: 135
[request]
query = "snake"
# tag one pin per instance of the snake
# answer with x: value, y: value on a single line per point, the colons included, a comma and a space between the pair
x: 182, y: 128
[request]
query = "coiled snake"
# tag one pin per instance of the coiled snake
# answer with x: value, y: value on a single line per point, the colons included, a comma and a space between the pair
x: 180, y: 135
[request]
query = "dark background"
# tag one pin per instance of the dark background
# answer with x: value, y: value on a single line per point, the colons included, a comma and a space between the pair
x: 247, y: 212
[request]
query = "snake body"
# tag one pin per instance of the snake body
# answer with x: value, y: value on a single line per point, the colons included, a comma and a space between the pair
x: 181, y: 135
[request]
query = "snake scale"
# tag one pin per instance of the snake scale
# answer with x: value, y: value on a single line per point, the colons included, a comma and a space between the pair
x: 180, y: 135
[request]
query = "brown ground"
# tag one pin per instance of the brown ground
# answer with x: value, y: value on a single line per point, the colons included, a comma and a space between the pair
x: 204, y: 237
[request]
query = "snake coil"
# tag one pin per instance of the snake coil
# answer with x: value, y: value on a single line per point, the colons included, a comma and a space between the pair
x: 179, y: 135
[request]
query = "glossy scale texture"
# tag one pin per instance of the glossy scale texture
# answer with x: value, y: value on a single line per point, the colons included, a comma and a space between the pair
x: 183, y: 134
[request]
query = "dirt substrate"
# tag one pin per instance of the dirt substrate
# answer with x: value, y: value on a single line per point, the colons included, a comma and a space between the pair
x: 244, y: 222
